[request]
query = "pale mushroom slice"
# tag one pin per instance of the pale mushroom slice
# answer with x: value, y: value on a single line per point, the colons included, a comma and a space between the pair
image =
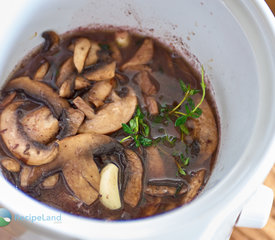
x: 25, y: 175
x: 50, y: 181
x: 40, y: 91
x: 84, y: 107
x: 21, y: 146
x: 92, y: 54
x: 81, y: 50
x: 194, y: 186
x: 105, y: 72
x: 75, y: 159
x: 98, y: 93
x: 108, y: 188
x: 133, y: 189
x: 112, y: 115
x: 7, y: 100
x: 40, y: 125
x: 10, y: 164
x: 66, y: 89
x: 205, y: 130
x: 41, y: 72
x: 80, y: 83
x: 66, y: 69
x: 143, y: 55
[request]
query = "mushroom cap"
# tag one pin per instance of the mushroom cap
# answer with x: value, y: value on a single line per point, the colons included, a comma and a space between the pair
x: 19, y: 144
x: 112, y: 115
x: 39, y: 91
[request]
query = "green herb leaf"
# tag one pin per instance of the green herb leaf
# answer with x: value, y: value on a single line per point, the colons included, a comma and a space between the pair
x: 183, y: 86
x: 184, y: 129
x: 126, y: 128
x: 146, y: 142
x: 180, y: 121
x: 181, y: 171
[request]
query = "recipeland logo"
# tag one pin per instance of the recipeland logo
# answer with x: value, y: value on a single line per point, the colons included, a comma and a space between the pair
x: 5, y: 217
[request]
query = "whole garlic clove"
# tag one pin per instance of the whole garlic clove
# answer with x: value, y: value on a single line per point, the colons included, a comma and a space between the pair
x: 108, y: 188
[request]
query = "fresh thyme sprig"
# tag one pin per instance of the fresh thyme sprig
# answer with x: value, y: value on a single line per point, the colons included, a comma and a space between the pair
x: 191, y: 110
x: 138, y: 130
x: 182, y: 162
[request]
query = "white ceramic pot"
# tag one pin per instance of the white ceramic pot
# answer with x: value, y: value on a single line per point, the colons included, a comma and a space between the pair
x: 233, y: 39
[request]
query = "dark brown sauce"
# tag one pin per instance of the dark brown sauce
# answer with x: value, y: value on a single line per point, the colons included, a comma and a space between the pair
x: 167, y: 68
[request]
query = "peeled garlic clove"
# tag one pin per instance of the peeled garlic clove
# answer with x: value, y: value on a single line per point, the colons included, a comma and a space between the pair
x: 108, y: 188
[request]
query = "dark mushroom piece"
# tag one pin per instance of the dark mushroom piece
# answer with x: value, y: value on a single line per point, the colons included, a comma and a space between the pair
x: 39, y: 91
x: 143, y: 55
x: 110, y: 117
x: 71, y: 120
x: 7, y: 100
x: 77, y: 164
x: 205, y: 131
x: 194, y: 186
x: 19, y: 144
x: 133, y: 189
x: 51, y: 40
x: 84, y: 107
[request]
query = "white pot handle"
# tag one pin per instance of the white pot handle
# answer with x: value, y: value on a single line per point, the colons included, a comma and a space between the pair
x: 256, y: 211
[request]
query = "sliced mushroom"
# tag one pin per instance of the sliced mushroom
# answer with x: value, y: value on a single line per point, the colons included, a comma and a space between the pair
x: 194, y: 186
x: 151, y: 105
x: 67, y: 87
x: 25, y: 175
x: 50, y: 181
x: 92, y: 55
x: 116, y: 55
x: 164, y: 191
x: 99, y: 92
x: 51, y: 40
x: 122, y: 39
x: 80, y: 83
x: 10, y: 164
x: 7, y: 100
x: 109, y: 192
x: 82, y: 176
x: 133, y: 189
x: 41, y: 72
x: 155, y: 163
x: 112, y: 115
x: 103, y: 73
x: 40, y: 125
x: 84, y: 107
x: 81, y: 49
x: 145, y: 83
x: 143, y: 55
x: 75, y: 159
x: 39, y: 91
x: 65, y: 71
x: 205, y: 130
x: 31, y: 152
x: 71, y: 122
